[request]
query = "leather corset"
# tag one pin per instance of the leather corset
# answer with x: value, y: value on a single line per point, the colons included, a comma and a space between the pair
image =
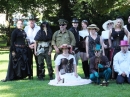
x: 67, y: 65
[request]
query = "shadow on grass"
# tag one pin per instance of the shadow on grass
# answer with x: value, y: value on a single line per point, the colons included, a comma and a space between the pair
x: 4, y: 61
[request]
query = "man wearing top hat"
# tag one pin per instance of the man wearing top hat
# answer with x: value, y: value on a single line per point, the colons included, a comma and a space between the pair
x: 74, y: 29
x: 62, y: 36
x: 99, y: 66
x: 121, y: 63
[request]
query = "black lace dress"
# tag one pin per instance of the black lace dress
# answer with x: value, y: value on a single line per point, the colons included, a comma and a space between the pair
x: 117, y: 36
x: 18, y: 64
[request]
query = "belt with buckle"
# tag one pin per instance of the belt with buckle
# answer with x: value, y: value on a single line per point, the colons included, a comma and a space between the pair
x: 19, y: 45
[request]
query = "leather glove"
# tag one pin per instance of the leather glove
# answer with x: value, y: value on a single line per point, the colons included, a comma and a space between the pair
x: 100, y: 66
x: 96, y: 74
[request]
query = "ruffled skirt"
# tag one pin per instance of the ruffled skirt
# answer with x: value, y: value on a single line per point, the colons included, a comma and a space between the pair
x: 69, y: 79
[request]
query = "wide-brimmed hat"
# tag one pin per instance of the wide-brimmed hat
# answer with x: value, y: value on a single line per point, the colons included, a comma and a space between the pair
x: 62, y: 21
x: 93, y: 26
x: 124, y: 43
x: 75, y: 20
x: 104, y: 26
x: 65, y: 46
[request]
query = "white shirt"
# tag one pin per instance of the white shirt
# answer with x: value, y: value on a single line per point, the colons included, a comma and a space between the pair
x: 59, y: 57
x: 121, y: 63
x: 105, y: 34
x: 83, y: 33
x: 31, y: 33
x: 125, y: 37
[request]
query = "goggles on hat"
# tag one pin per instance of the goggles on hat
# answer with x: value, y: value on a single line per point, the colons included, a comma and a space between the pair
x: 96, y: 51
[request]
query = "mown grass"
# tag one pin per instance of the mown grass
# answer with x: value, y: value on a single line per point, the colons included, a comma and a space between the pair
x: 36, y: 88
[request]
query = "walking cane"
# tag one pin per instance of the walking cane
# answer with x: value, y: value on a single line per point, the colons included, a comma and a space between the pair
x: 97, y: 77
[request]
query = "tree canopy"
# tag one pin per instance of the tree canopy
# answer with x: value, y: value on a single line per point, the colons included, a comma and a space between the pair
x: 95, y: 11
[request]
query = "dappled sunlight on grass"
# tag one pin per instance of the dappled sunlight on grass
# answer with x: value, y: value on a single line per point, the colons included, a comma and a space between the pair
x: 36, y: 88
x: 8, y: 95
x: 4, y: 87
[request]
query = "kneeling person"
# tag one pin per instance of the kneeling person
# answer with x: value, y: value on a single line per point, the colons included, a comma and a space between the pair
x: 121, y: 63
x: 99, y: 66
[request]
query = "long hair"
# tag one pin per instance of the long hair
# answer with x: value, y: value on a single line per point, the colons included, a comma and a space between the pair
x: 116, y: 22
x: 85, y: 22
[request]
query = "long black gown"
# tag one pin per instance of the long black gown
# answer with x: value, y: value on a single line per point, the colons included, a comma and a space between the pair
x: 18, y: 65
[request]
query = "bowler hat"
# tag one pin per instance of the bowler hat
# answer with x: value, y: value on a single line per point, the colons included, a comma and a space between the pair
x: 75, y: 20
x: 62, y: 21
x: 124, y: 43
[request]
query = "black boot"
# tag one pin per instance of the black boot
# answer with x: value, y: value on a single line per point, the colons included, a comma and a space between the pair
x: 84, y: 66
x: 41, y: 72
x: 51, y: 77
x: 87, y: 68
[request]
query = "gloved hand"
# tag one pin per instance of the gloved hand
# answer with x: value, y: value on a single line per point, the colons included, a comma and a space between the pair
x: 96, y: 74
x: 100, y: 66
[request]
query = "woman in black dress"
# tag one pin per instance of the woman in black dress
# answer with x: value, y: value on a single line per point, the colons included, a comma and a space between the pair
x: 18, y: 60
x: 82, y: 48
x: 116, y: 34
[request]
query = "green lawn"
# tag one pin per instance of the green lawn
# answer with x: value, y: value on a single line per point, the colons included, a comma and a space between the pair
x: 35, y: 88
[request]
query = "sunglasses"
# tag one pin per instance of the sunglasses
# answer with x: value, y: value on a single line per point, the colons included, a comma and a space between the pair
x: 62, y: 24
x: 109, y: 23
x: 96, y: 51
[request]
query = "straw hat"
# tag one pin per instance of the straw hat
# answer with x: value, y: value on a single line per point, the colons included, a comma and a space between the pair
x: 104, y: 26
x: 93, y: 26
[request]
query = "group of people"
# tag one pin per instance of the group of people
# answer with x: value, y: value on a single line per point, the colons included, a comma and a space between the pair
x: 103, y: 56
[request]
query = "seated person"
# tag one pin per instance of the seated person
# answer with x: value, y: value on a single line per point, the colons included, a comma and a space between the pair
x: 121, y: 63
x: 66, y: 69
x: 99, y: 67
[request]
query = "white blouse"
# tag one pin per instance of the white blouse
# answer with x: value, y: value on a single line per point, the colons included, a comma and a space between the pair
x: 105, y: 34
x: 83, y: 33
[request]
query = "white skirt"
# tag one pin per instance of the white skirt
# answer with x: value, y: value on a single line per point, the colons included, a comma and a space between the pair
x: 69, y: 80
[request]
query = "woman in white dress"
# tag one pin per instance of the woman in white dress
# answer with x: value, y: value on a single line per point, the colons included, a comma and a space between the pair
x: 82, y: 47
x: 66, y: 70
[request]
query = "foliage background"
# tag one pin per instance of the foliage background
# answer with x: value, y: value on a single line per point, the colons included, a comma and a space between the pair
x: 95, y: 11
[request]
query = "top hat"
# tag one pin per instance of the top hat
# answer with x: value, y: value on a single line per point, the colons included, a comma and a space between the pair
x: 104, y: 26
x: 62, y: 21
x: 97, y: 47
x: 75, y: 20
x: 93, y: 26
x: 124, y: 43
